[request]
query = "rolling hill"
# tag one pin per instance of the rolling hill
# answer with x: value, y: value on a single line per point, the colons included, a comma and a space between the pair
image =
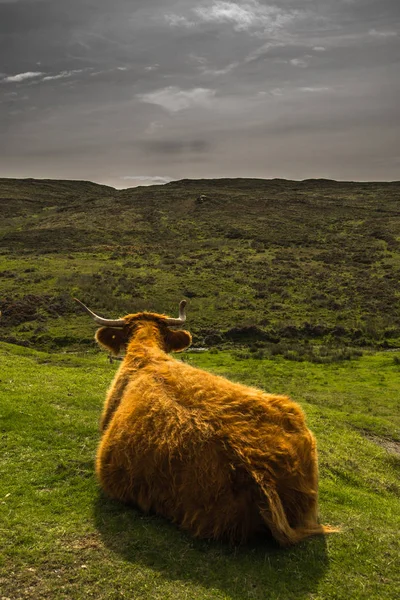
x: 275, y: 264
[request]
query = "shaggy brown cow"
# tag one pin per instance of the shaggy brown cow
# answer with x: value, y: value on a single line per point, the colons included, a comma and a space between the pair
x: 218, y: 458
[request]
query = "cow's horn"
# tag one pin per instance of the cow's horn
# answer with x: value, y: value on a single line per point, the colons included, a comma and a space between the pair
x: 100, y: 320
x: 182, y: 315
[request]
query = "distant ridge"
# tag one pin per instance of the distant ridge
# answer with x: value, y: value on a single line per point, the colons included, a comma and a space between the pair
x: 61, y: 182
x: 274, y: 181
x: 214, y: 182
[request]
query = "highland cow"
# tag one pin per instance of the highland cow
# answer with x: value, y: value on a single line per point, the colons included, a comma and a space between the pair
x: 220, y: 459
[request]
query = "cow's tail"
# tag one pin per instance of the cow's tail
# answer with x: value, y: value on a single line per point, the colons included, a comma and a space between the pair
x: 275, y: 518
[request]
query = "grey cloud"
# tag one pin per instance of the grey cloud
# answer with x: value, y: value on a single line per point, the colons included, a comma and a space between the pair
x: 325, y: 124
x: 24, y: 16
x: 67, y: 33
x: 147, y: 179
x: 62, y: 75
x: 227, y: 95
x: 385, y: 33
x: 21, y: 77
x: 175, y: 146
x: 175, y: 99
x: 247, y: 16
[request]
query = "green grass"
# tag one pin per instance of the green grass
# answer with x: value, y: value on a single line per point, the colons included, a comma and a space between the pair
x: 60, y: 538
x: 293, y: 282
x: 314, y: 260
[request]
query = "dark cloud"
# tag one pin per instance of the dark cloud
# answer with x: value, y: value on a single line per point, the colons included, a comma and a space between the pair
x: 89, y: 87
x: 26, y: 16
x: 175, y: 146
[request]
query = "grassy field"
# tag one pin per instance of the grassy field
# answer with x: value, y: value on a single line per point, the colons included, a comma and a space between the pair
x: 61, y: 539
x: 292, y: 286
x: 275, y: 263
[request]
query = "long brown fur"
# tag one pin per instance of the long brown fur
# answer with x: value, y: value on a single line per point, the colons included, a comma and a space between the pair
x: 220, y: 459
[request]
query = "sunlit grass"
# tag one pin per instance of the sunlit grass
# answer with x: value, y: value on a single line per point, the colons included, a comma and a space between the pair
x: 62, y: 539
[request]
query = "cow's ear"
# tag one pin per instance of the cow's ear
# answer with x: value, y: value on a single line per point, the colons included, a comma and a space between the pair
x: 176, y: 341
x: 111, y: 338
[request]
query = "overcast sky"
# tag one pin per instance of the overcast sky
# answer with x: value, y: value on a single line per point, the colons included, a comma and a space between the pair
x: 133, y: 92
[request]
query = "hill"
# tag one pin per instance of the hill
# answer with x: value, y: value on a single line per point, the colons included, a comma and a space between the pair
x: 274, y: 263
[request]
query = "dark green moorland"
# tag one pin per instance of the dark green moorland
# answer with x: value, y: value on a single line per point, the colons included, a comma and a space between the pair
x: 281, y: 264
x: 292, y: 286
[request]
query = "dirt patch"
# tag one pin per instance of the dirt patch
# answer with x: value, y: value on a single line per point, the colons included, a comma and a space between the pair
x: 90, y: 541
x: 391, y: 446
x: 71, y: 570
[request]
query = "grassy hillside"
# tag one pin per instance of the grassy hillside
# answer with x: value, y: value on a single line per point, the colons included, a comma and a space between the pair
x: 296, y: 268
x: 273, y: 270
x: 62, y: 539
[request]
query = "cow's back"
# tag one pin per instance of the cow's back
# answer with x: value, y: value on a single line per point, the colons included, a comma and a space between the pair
x: 192, y: 447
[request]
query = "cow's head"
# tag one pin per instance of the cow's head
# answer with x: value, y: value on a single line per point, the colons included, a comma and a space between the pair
x: 116, y: 334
